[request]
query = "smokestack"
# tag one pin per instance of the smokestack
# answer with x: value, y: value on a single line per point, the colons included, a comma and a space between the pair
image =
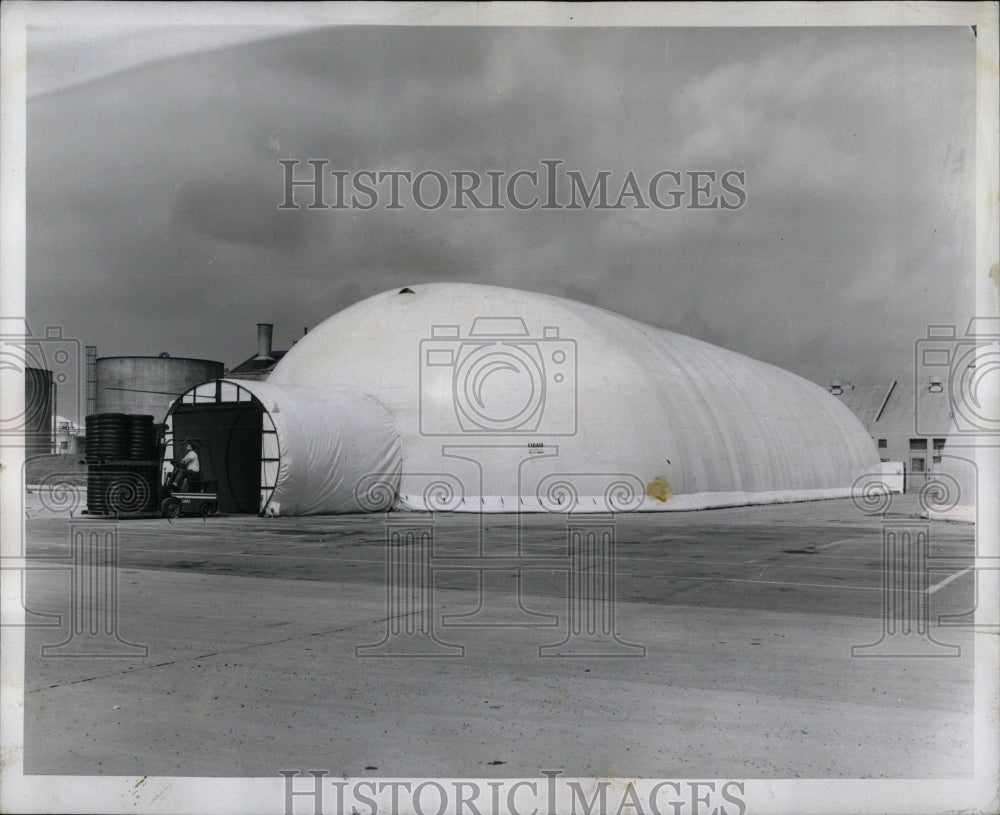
x: 264, y: 331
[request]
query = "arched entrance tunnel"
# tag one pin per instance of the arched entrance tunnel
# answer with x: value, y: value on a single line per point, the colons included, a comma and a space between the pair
x: 235, y: 441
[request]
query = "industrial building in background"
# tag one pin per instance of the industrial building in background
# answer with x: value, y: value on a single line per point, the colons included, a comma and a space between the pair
x: 479, y: 398
x: 930, y: 420
x: 262, y: 363
x: 887, y: 412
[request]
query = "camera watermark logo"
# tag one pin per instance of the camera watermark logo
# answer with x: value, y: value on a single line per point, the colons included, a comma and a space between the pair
x: 497, y: 379
x: 965, y: 370
x: 47, y: 363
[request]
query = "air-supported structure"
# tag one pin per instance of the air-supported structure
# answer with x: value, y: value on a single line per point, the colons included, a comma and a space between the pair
x: 471, y: 398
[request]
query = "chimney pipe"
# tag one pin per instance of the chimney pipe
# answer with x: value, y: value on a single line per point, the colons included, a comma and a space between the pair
x: 264, y: 331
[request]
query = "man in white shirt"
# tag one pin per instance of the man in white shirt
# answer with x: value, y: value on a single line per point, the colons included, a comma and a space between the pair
x: 189, y: 465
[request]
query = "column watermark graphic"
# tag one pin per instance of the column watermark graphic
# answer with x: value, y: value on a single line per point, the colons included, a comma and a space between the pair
x: 86, y: 564
x: 906, y: 619
x: 58, y: 493
x: 957, y: 399
x: 590, y: 627
x: 94, y: 599
x: 492, y: 465
x: 907, y: 567
x: 409, y: 600
x: 588, y: 560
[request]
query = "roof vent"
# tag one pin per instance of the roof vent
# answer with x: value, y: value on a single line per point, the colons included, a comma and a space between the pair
x: 164, y: 355
x: 406, y: 290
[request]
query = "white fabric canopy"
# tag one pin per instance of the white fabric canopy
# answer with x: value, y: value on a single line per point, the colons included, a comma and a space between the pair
x: 502, y: 400
x: 329, y: 442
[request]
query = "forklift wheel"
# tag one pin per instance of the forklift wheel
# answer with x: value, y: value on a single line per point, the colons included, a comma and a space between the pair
x: 206, y: 508
x: 170, y: 508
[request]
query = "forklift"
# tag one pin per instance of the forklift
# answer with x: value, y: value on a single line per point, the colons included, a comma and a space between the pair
x: 197, y: 493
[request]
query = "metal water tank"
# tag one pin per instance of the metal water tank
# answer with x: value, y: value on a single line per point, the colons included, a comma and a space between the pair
x: 149, y: 384
x: 39, y: 407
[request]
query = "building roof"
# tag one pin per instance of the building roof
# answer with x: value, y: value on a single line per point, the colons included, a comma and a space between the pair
x: 898, y: 406
x: 257, y: 365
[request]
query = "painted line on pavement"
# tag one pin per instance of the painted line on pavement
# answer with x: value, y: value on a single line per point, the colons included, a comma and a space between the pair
x: 948, y: 579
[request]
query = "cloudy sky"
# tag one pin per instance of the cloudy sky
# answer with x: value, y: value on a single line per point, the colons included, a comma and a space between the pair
x: 154, y: 180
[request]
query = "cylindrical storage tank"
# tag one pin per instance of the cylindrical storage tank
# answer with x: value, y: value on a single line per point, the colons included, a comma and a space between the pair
x: 39, y: 404
x: 148, y: 385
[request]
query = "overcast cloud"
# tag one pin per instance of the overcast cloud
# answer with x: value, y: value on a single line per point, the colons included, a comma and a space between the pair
x: 154, y: 184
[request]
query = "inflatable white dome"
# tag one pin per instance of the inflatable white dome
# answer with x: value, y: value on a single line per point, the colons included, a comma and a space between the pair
x: 478, y: 398
x: 505, y: 400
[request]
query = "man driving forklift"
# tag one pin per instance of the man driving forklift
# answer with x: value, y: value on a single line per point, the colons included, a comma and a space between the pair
x: 185, y: 468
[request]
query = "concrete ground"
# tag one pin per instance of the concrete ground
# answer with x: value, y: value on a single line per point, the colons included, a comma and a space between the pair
x: 747, y: 617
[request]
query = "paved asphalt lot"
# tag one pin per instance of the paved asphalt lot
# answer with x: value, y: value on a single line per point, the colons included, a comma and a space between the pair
x: 747, y: 617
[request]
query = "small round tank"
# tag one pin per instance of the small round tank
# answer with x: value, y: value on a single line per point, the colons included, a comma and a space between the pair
x: 39, y: 403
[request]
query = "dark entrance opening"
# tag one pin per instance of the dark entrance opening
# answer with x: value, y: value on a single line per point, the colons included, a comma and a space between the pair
x: 227, y: 438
